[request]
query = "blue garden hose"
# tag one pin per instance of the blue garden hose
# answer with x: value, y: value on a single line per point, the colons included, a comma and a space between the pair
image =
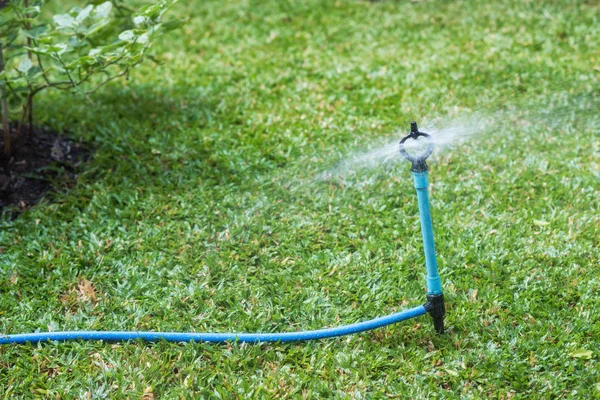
x: 114, y: 336
x: 435, y: 299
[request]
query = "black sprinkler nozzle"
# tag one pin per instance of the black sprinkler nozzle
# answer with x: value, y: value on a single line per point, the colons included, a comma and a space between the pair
x: 418, y: 161
x: 413, y: 128
x: 437, y: 309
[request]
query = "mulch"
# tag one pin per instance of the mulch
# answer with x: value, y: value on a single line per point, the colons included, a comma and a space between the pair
x: 35, y: 166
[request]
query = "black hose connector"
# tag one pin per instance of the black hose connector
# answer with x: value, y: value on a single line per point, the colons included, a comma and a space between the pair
x: 437, y: 309
x: 418, y: 161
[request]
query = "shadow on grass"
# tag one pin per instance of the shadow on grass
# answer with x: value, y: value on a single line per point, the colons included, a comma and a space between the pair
x: 144, y: 134
x: 134, y: 104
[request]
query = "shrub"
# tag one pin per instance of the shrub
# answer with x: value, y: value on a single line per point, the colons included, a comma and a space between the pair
x: 78, y: 51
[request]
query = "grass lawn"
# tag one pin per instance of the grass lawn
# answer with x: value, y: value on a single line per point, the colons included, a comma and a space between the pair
x: 203, y: 208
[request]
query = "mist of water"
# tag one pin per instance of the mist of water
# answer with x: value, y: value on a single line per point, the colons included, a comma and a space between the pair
x: 459, y: 128
x: 455, y: 131
x: 446, y: 133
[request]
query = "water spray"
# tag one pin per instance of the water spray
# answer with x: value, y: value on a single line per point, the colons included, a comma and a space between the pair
x: 434, y: 306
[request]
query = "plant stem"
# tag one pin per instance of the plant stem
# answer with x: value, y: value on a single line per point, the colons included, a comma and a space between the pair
x: 29, y: 107
x: 28, y: 27
x: 30, y: 114
x: 5, y: 125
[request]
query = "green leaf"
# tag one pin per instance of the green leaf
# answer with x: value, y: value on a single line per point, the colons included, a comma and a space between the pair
x: 103, y: 10
x: 36, y: 32
x: 19, y: 84
x: 11, y: 36
x: 83, y: 14
x: 139, y: 20
x: 32, y: 10
x: 155, y: 11
x: 25, y: 65
x: 127, y: 36
x: 95, y: 52
x: 582, y: 353
x: 33, y: 72
x: 143, y: 38
x: 154, y: 59
x: 59, y: 48
x: 96, y: 27
x: 64, y: 21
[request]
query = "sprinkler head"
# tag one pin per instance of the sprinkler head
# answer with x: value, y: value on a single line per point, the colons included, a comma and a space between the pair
x: 418, y: 161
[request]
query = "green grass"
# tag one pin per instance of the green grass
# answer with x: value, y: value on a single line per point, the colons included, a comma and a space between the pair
x: 201, y: 209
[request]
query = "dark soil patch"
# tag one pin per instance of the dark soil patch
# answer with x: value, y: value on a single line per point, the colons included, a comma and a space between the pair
x: 36, y: 166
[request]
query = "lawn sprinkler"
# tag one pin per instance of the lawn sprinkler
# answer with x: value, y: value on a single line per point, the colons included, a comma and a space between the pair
x: 434, y: 306
x: 435, y: 297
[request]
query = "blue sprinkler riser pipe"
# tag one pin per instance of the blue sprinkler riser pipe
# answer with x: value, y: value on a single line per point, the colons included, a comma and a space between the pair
x: 434, y: 285
x: 114, y: 336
